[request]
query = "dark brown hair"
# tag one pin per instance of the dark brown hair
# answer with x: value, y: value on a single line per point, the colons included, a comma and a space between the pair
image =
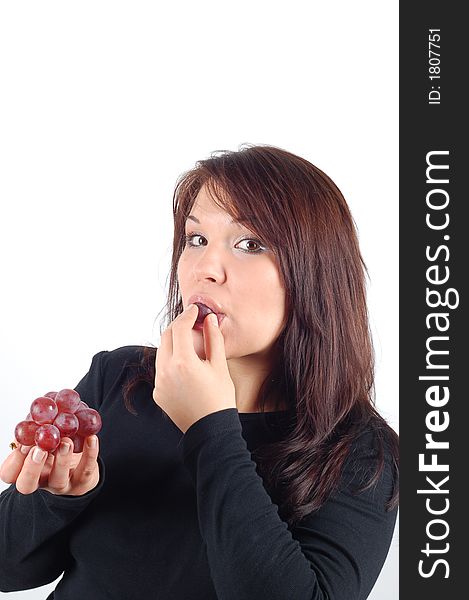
x: 326, y: 359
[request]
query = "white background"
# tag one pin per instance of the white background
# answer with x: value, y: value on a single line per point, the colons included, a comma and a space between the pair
x: 104, y: 104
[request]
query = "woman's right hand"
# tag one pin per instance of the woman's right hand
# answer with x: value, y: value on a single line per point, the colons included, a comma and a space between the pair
x: 61, y: 473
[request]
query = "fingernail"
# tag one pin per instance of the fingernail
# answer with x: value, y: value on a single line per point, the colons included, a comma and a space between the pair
x: 38, y: 455
x: 189, y: 307
x: 64, y: 448
x: 25, y: 449
x: 93, y: 442
x: 213, y: 319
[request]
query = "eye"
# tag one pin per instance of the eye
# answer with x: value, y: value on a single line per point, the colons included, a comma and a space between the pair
x: 252, y: 241
x: 260, y: 248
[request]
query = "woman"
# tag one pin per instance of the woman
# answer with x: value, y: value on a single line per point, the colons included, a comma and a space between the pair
x: 243, y: 459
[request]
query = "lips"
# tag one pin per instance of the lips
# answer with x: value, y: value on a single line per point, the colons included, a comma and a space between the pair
x: 209, y: 303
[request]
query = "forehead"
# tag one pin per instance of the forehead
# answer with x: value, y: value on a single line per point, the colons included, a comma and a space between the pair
x: 205, y: 207
x: 204, y: 201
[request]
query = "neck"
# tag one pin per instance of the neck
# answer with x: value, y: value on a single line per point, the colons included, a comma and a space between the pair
x: 248, y: 381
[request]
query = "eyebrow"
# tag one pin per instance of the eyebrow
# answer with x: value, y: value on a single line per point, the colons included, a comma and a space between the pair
x: 196, y: 220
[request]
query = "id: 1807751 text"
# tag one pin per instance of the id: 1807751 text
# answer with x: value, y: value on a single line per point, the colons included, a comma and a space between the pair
x: 434, y: 69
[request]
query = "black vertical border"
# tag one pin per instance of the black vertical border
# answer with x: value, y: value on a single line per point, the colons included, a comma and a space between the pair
x: 425, y: 128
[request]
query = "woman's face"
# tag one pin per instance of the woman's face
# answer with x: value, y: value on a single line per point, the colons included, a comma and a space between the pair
x: 222, y: 260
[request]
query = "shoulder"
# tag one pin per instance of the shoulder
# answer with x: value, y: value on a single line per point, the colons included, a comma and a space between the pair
x: 117, y: 360
x: 376, y: 437
x: 111, y: 368
x: 372, y: 462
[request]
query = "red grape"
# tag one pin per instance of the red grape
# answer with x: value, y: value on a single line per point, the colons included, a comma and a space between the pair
x: 43, y: 410
x: 66, y: 423
x: 56, y: 415
x: 203, y: 312
x: 89, y: 422
x: 47, y: 437
x: 68, y: 401
x: 25, y: 432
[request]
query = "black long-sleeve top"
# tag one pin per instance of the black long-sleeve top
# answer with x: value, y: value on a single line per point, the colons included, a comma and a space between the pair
x: 186, y: 516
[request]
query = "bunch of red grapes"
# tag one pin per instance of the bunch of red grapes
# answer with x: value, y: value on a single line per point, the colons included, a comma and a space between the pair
x: 56, y: 415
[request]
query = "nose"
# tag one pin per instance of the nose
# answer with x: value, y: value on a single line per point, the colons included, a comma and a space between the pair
x: 209, y: 266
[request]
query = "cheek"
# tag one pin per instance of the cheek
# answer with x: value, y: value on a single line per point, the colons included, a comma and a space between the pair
x: 181, y: 269
x: 261, y: 315
x: 268, y: 293
x: 274, y: 310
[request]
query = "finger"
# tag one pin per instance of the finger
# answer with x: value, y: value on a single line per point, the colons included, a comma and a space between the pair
x: 28, y: 479
x: 87, y: 466
x: 59, y: 477
x: 183, y: 345
x: 46, y: 469
x: 214, y: 342
x: 165, y: 349
x: 13, y: 464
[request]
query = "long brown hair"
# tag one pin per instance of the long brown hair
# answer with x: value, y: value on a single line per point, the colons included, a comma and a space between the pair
x: 326, y: 358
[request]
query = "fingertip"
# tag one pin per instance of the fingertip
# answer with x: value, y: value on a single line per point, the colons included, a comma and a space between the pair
x: 92, y: 442
x: 38, y: 454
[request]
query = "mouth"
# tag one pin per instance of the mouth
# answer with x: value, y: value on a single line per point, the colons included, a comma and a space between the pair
x: 206, y: 306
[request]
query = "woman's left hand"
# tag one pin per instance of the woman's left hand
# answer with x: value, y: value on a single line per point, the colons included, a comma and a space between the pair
x: 186, y: 387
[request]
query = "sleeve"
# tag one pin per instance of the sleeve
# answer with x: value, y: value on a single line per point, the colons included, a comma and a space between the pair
x: 335, y: 553
x: 34, y: 528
